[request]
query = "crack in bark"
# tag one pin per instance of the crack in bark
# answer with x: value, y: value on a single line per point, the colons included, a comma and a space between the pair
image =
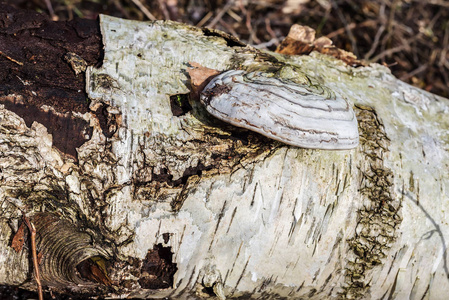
x: 169, y: 170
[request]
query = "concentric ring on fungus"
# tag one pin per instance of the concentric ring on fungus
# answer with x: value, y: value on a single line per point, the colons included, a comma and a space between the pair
x: 302, y: 115
x: 63, y: 247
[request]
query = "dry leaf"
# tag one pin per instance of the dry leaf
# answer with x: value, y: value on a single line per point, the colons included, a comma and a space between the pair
x: 301, y: 41
x: 301, y: 33
x: 298, y: 41
x: 39, y: 257
x: 90, y: 270
x: 199, y: 77
x: 19, y: 238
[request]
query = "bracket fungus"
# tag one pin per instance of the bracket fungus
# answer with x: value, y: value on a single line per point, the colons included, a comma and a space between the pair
x: 281, y: 108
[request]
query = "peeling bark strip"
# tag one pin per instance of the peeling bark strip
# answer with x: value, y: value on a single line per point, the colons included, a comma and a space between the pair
x: 43, y: 87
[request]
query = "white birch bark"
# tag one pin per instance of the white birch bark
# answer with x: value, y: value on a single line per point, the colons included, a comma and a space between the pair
x: 244, y: 215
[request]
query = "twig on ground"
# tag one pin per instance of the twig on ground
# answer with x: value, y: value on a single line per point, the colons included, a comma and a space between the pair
x: 51, y: 11
x: 391, y: 51
x: 164, y: 10
x: 407, y: 76
x: 221, y: 14
x: 241, y: 6
x: 205, y: 19
x: 443, y: 56
x: 375, y: 42
x: 228, y: 28
x: 274, y: 38
x: 120, y: 7
x: 444, y: 74
x: 34, y: 254
x: 11, y: 59
x: 379, y: 32
x: 347, y: 28
x: 172, y: 8
x: 367, y: 23
x: 235, y: 16
x: 144, y: 10
x: 252, y: 33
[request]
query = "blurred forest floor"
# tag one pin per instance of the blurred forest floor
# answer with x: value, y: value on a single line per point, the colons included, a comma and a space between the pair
x: 411, y: 37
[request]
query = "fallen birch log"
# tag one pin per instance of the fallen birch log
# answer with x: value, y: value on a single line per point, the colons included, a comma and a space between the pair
x: 151, y: 196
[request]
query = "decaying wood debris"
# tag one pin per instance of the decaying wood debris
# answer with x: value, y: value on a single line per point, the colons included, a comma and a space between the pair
x: 135, y: 190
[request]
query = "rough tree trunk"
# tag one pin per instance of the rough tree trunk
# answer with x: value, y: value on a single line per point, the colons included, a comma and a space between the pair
x: 135, y: 193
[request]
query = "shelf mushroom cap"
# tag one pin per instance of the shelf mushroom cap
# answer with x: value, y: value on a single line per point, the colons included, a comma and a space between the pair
x: 301, y: 115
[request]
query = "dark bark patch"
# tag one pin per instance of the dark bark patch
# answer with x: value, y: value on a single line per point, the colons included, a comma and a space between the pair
x: 68, y: 131
x: 216, y: 91
x: 158, y: 268
x: 180, y: 104
x: 231, y: 40
x: 209, y: 291
x: 166, y: 237
x: 198, y: 170
x: 165, y: 177
x: 108, y: 122
x: 33, y: 68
